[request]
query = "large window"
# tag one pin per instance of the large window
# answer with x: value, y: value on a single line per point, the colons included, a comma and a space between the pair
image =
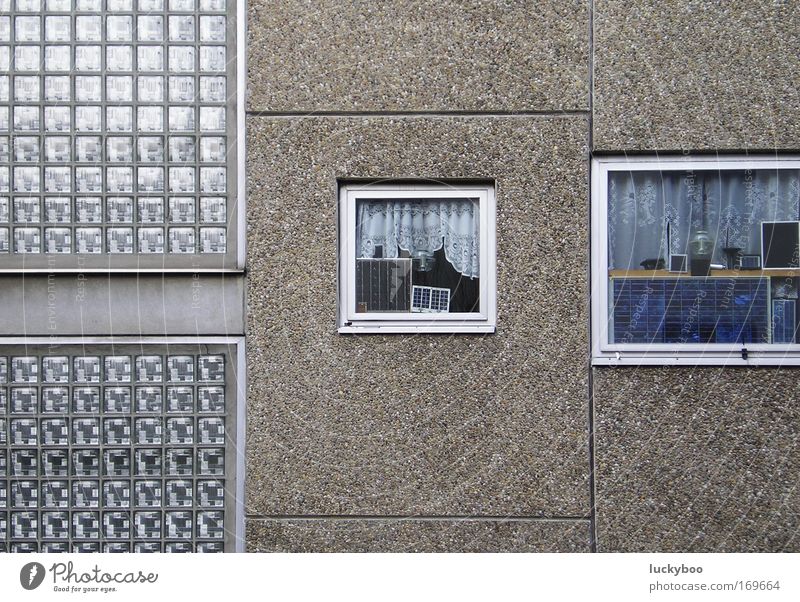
x: 417, y: 258
x: 696, y: 260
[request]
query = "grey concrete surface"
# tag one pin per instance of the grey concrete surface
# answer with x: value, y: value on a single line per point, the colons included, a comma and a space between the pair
x: 414, y: 535
x: 696, y: 75
x: 121, y: 304
x: 697, y: 460
x: 418, y: 55
x: 426, y: 425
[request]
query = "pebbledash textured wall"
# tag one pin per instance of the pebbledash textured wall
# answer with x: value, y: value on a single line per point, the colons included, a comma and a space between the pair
x: 481, y: 443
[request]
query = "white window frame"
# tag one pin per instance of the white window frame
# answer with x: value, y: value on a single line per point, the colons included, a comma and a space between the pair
x: 352, y: 322
x: 605, y: 353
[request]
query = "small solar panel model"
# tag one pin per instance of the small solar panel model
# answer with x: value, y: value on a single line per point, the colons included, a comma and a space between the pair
x: 430, y: 299
x: 383, y: 285
x: 780, y: 245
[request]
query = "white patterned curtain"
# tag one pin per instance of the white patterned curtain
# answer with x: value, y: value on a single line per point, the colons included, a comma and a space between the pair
x: 640, y: 203
x: 422, y: 226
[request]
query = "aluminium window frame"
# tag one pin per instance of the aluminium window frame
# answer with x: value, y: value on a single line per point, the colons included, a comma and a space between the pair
x: 352, y: 322
x: 688, y: 354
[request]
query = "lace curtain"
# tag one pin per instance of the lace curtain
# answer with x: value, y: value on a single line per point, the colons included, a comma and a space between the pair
x: 422, y: 226
x: 639, y: 203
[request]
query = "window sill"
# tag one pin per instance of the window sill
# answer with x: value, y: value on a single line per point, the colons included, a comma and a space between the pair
x: 417, y: 329
x: 732, y: 359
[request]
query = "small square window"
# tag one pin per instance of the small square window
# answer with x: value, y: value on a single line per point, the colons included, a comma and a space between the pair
x: 417, y: 258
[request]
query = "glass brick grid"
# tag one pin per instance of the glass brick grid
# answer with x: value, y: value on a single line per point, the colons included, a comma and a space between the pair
x: 116, y: 130
x: 115, y: 453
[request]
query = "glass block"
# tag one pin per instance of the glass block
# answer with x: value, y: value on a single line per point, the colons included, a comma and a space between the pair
x: 89, y: 210
x: 3, y: 439
x: 89, y: 28
x: 181, y: 28
x: 210, y: 494
x: 55, y: 547
x: 181, y: 179
x: 57, y: 88
x: 88, y: 58
x: 59, y: 58
x: 24, y: 525
x: 27, y: 29
x: 27, y: 58
x: 55, y: 400
x: 117, y: 431
x: 150, y: 58
x: 212, y: 149
x: 147, y: 525
x: 24, y: 400
x: 119, y: 58
x: 27, y: 240
x: 181, y: 209
x: 26, y: 119
x: 54, y: 431
x: 212, y: 28
x: 120, y: 179
x: 181, y: 5
x: 26, y: 149
x: 26, y: 88
x: 29, y: 6
x: 117, y: 494
x: 119, y: 5
x: 181, y: 59
x: 149, y: 368
x: 212, y: 119
x: 117, y: 400
x: 119, y: 149
x: 87, y: 119
x: 24, y: 369
x: 57, y: 210
x: 116, y: 525
x: 26, y: 179
x: 147, y: 494
x: 88, y: 88
x: 209, y: 547
x: 148, y: 462
x: 150, y: 119
x: 120, y: 240
x: 181, y: 89
x: 58, y: 240
x: 179, y: 525
x: 181, y: 119
x: 4, y: 126
x: 24, y: 494
x: 57, y: 29
x: 55, y: 525
x: 57, y: 119
x: 85, y: 525
x: 213, y: 210
x: 150, y: 88
x: 212, y: 59
x: 88, y: 240
x: 24, y: 463
x: 150, y: 179
x: 3, y: 407
x: 151, y: 210
x: 181, y: 148
x: 5, y: 65
x: 3, y: 497
x: 151, y: 240
x: 86, y: 547
x: 180, y: 368
x: 57, y: 148
x: 211, y: 431
x: 119, y: 119
x: 86, y: 463
x: 150, y: 28
x: 55, y: 463
x: 180, y: 430
x: 179, y: 462
x: 210, y: 524
x: 88, y: 149
x: 149, y: 399
x: 86, y: 494
x: 146, y: 547
x: 5, y: 153
x: 86, y: 431
x: 120, y: 209
x: 119, y: 88
x: 55, y: 494
x: 119, y: 28
x: 86, y: 369
x: 180, y: 399
x: 149, y: 431
x: 89, y: 5
x: 146, y: 6
x: 213, y: 240
x: 117, y: 462
x: 178, y: 493
x: 3, y: 462
x: 118, y: 368
x: 151, y: 149
x: 88, y: 179
x: 22, y: 547
x: 4, y: 240
x: 178, y: 547
x: 86, y: 400
x: 5, y: 25
x: 211, y: 368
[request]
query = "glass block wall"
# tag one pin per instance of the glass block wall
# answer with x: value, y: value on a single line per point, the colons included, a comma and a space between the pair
x: 117, y: 133
x: 117, y: 448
